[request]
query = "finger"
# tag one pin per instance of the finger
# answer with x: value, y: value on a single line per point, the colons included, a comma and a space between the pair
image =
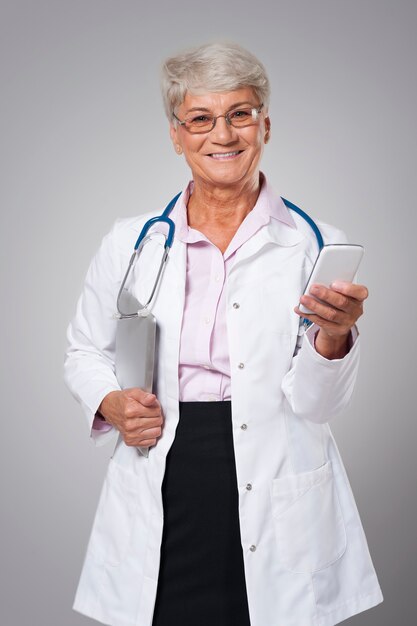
x: 142, y: 443
x: 334, y: 298
x: 143, y: 438
x: 135, y: 409
x: 325, y: 311
x: 143, y: 433
x: 309, y: 316
x: 138, y: 424
x: 332, y: 328
x: 352, y: 290
x: 146, y: 443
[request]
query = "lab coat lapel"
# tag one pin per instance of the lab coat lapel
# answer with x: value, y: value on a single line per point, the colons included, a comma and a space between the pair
x: 274, y: 233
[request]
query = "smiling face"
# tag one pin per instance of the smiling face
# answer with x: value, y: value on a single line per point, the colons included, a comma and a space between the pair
x: 226, y: 155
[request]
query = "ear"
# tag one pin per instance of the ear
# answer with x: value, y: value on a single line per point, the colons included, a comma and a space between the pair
x: 175, y: 138
x: 267, y: 134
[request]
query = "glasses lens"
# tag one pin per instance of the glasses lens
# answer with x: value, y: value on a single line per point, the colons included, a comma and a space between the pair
x: 243, y: 117
x: 199, y: 123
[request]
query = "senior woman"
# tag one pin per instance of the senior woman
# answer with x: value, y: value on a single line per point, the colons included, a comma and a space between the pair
x: 242, y: 513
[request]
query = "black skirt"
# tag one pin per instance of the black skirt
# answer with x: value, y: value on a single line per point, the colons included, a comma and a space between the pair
x: 201, y: 577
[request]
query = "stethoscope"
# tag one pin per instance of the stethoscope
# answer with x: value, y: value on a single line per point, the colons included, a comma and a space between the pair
x: 143, y: 311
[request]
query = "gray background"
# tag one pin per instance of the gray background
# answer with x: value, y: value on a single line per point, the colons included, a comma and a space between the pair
x: 84, y: 140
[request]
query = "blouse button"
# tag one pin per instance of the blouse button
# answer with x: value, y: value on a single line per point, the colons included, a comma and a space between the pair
x: 248, y: 486
x: 244, y: 426
x: 236, y: 305
x: 252, y: 548
x: 241, y: 366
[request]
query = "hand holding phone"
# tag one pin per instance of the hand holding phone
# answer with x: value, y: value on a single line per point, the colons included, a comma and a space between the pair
x: 334, y: 262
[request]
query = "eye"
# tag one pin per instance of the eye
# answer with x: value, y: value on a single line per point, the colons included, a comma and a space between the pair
x: 240, y: 114
x: 200, y: 119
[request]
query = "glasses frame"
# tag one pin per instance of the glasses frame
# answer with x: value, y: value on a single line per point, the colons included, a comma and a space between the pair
x: 216, y: 117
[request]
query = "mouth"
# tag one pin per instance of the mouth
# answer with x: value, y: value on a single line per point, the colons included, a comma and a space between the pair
x: 225, y: 156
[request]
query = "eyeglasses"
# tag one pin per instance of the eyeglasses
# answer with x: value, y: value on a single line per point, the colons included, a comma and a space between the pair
x: 205, y: 122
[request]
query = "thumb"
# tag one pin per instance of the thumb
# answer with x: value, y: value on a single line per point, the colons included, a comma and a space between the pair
x: 140, y: 395
x: 148, y: 399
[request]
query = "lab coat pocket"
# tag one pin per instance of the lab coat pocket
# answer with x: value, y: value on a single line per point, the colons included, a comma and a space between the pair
x: 309, y: 526
x: 115, y: 515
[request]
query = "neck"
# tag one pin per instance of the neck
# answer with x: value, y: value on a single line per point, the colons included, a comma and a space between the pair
x: 224, y: 207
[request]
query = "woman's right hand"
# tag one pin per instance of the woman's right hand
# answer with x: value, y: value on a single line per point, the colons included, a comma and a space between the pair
x: 136, y: 413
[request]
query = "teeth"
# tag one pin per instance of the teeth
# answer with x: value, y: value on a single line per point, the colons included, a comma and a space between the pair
x: 222, y: 155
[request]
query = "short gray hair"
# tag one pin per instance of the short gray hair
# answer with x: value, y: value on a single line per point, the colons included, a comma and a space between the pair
x: 213, y: 67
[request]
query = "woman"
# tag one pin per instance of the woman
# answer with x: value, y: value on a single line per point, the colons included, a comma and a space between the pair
x: 242, y: 513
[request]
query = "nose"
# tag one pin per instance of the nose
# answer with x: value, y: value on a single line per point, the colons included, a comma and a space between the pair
x: 222, y: 131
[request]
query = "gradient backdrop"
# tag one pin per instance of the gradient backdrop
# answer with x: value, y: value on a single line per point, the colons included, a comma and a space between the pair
x: 84, y: 140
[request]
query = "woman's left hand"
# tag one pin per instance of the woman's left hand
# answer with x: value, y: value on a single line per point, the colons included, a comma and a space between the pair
x: 335, y: 310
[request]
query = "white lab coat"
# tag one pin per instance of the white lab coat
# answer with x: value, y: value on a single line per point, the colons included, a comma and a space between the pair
x: 305, y: 553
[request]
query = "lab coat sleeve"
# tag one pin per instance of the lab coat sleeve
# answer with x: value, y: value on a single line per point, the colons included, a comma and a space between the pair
x: 316, y: 388
x: 89, y: 369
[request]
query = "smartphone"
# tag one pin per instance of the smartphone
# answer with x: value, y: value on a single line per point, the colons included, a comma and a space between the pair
x: 336, y: 261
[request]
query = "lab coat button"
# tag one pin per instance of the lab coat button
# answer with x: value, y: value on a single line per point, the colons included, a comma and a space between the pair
x: 244, y: 426
x: 241, y: 366
x: 252, y: 548
x: 236, y: 305
x: 248, y: 486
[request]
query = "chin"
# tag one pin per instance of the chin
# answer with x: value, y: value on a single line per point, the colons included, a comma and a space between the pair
x: 225, y: 176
